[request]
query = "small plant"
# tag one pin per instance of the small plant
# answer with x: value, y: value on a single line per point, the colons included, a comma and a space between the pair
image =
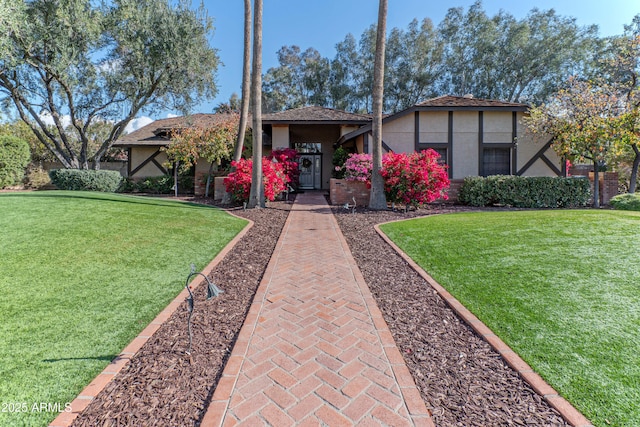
x: 340, y: 156
x: 14, y: 158
x: 37, y: 177
x: 86, y: 180
x: 238, y: 183
x: 288, y: 157
x: 626, y: 202
x: 358, y: 168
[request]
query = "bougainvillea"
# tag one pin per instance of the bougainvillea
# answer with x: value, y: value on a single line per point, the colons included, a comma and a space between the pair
x: 358, y: 168
x: 414, y: 179
x: 238, y: 183
x: 288, y: 157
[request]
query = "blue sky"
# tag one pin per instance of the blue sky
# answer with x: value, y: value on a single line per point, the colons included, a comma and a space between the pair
x: 323, y: 23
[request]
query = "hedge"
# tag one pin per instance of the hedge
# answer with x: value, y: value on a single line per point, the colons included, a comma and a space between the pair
x: 86, y: 180
x: 162, y: 184
x: 14, y: 158
x: 525, y: 192
x: 626, y: 202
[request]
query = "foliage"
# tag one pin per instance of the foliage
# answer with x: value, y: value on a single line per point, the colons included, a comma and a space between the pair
x: 558, y: 286
x: 340, y: 156
x: 86, y: 180
x: 288, y: 157
x: 469, y: 51
x: 77, y: 63
x: 37, y: 177
x: 525, y: 192
x: 358, y: 168
x: 626, y: 202
x: 81, y: 275
x: 14, y: 158
x: 238, y: 182
x: 414, y: 179
x: 158, y: 184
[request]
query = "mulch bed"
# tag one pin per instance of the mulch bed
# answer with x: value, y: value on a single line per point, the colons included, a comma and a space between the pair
x: 161, y: 386
x: 463, y: 381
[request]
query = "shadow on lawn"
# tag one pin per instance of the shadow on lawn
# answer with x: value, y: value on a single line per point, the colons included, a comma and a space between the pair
x: 107, y: 358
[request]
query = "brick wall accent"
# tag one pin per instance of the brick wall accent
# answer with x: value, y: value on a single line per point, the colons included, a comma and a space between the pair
x: 454, y: 190
x: 200, y: 184
x: 341, y: 192
x: 608, y: 185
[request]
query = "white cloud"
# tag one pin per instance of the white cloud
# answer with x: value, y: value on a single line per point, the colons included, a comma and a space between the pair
x: 137, y: 123
x: 47, y: 119
x: 171, y: 116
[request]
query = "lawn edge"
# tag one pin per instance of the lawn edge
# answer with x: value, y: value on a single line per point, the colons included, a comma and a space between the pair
x: 86, y: 396
x: 568, y: 412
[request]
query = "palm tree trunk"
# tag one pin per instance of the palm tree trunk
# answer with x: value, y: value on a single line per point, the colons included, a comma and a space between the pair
x: 246, y: 83
x: 256, y: 194
x: 377, y: 199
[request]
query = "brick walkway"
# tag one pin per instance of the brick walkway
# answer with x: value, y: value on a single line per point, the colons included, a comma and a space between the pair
x: 314, y: 349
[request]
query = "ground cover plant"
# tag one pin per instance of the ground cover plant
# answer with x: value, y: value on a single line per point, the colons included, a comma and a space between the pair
x: 81, y: 274
x: 560, y: 287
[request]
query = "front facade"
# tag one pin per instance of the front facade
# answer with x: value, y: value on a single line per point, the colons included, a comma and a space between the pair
x: 475, y: 137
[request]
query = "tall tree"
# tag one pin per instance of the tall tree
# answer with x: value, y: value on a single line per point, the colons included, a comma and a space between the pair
x: 80, y: 62
x: 377, y: 199
x: 256, y: 194
x: 246, y: 82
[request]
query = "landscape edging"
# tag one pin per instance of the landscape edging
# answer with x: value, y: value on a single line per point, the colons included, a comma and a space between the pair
x: 570, y: 414
x: 84, y: 398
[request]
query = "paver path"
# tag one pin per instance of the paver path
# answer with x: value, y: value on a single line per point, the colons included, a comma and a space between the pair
x: 314, y: 349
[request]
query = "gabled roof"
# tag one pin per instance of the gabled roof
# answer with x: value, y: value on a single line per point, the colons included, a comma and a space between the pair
x: 315, y: 115
x: 158, y: 132
x: 469, y: 102
x: 444, y: 103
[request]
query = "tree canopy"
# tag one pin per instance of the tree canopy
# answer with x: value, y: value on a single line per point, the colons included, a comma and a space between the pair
x: 500, y: 57
x: 79, y: 62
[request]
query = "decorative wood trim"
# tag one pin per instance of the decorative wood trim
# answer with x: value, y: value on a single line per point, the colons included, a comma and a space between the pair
x: 540, y: 155
x: 514, y: 140
x: 480, y: 143
x: 365, y: 143
x: 450, y: 144
x: 385, y: 147
x: 416, y: 139
x: 128, y: 162
x: 150, y: 159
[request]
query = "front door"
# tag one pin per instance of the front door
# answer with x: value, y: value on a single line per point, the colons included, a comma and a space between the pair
x: 310, y: 168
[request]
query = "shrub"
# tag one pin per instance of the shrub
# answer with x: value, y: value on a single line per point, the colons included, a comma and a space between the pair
x: 626, y: 202
x: 414, y: 179
x: 525, y: 192
x: 14, y: 158
x: 340, y: 156
x: 86, y: 180
x: 37, y: 177
x: 288, y: 157
x: 162, y: 184
x: 358, y: 168
x: 238, y: 182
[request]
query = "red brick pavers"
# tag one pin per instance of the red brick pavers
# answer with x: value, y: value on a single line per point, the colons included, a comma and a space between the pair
x: 314, y: 349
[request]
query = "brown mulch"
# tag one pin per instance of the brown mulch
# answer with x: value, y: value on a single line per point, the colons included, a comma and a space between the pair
x: 160, y: 386
x: 462, y: 380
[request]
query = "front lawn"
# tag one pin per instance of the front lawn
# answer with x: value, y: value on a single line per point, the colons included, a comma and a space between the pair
x: 81, y: 274
x: 561, y: 287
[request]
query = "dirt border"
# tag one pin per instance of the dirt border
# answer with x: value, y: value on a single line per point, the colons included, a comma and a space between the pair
x: 90, y: 392
x: 548, y: 393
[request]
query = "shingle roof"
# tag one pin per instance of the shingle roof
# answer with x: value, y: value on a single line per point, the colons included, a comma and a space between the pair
x: 315, y: 114
x: 155, y: 133
x: 450, y: 101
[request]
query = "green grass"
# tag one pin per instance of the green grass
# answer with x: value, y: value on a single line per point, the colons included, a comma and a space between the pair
x: 81, y: 274
x: 562, y: 288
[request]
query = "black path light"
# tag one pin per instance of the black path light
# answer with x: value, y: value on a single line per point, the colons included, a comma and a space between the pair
x: 212, y: 291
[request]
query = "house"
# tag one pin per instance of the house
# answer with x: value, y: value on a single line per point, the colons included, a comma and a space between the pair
x: 473, y: 136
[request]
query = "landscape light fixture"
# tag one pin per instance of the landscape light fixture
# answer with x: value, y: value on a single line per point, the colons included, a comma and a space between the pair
x: 212, y: 291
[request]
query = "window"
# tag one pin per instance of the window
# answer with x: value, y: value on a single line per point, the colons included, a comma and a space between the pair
x: 496, y: 161
x: 308, y: 147
x: 443, y: 155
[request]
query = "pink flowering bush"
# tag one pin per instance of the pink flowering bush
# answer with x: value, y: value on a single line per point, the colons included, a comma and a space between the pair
x: 414, y: 179
x: 238, y: 183
x: 288, y: 157
x: 358, y: 168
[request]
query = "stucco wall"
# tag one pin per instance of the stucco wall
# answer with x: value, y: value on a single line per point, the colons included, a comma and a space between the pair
x: 497, y: 126
x: 280, y: 137
x: 528, y: 145
x: 399, y: 134
x: 465, y: 144
x: 434, y: 127
x: 139, y: 155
